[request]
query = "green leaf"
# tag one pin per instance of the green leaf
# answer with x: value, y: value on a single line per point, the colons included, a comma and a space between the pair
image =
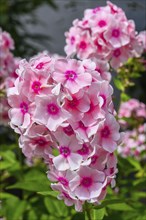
x: 108, y: 202
x: 4, y: 195
x: 124, y: 97
x: 120, y: 207
x: 34, y: 186
x: 49, y: 193
x: 14, y: 208
x: 134, y: 163
x: 119, y: 84
x: 56, y: 208
x: 99, y: 214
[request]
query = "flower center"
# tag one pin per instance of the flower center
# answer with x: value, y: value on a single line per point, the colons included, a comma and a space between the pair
x: 36, y: 86
x: 81, y: 125
x: 116, y: 33
x: 63, y: 181
x: 105, y: 132
x: 53, y: 109
x: 92, y: 107
x: 94, y: 159
x: 65, y: 151
x: 86, y: 182
x: 72, y: 40
x: 73, y: 103
x: 24, y: 107
x: 95, y: 10
x: 41, y: 142
x: 82, y: 45
x: 117, y: 53
x: 102, y: 23
x: 84, y: 150
x: 70, y: 75
x: 98, y: 70
x: 68, y: 130
x: 40, y: 66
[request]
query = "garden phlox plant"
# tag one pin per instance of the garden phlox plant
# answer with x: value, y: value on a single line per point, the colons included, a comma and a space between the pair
x: 104, y: 33
x: 132, y: 118
x: 8, y: 65
x: 63, y: 111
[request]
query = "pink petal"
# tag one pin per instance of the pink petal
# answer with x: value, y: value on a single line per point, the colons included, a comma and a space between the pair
x: 60, y: 163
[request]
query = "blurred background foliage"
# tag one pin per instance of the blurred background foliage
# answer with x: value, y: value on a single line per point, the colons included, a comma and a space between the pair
x: 10, y: 12
x: 25, y: 189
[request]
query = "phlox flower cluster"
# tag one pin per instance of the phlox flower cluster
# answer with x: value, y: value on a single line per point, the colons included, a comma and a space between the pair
x: 104, y: 33
x: 134, y: 110
x: 134, y: 143
x: 8, y: 65
x: 132, y: 118
x: 64, y: 113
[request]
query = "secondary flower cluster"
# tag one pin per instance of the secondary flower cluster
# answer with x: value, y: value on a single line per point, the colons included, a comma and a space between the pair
x: 134, y: 143
x: 132, y: 117
x: 104, y: 33
x: 8, y: 65
x: 63, y: 111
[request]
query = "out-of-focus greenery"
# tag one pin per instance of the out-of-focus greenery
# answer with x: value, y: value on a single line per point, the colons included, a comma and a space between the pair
x: 26, y: 193
x: 10, y: 13
x: 131, y: 79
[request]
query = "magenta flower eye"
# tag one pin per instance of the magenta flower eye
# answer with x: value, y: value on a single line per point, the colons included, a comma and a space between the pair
x: 73, y: 103
x: 68, y: 130
x: 53, y: 109
x: 24, y: 107
x: 63, y: 181
x: 40, y: 66
x: 41, y: 142
x: 117, y: 53
x: 102, y: 23
x: 116, y: 33
x: 36, y: 86
x: 86, y: 182
x: 72, y: 40
x: 65, y: 151
x: 81, y: 125
x: 84, y: 150
x: 105, y: 132
x: 83, y: 45
x: 70, y: 75
x: 94, y: 159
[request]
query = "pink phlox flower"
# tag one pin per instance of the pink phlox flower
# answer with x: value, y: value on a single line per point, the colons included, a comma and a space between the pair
x: 87, y: 184
x: 63, y: 177
x: 107, y: 134
x: 102, y: 67
x: 68, y: 197
x: 97, y: 101
x: 77, y: 105
x: 99, y: 159
x: 21, y: 112
x: 71, y: 74
x: 49, y: 112
x: 68, y: 157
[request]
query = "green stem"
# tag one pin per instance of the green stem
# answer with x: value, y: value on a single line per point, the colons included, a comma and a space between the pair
x: 88, y: 212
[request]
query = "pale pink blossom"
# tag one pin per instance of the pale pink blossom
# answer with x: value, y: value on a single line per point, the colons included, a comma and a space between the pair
x: 71, y: 74
x: 48, y: 112
x: 87, y: 184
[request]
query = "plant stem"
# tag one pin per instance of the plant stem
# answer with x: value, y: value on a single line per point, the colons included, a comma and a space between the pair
x: 88, y: 212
